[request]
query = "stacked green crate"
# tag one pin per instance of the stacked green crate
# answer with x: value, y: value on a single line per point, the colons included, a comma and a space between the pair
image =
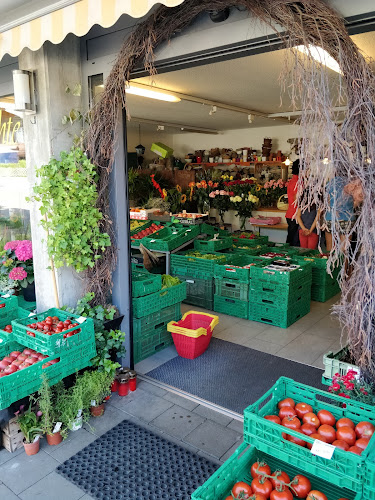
x: 153, y: 309
x: 280, y: 297
x: 324, y: 286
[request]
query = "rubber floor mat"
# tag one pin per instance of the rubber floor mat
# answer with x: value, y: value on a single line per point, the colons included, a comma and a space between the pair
x: 130, y: 462
x: 231, y: 375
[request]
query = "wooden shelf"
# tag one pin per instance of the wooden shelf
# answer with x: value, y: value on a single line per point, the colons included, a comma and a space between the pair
x: 276, y: 226
x: 242, y: 163
x: 265, y: 209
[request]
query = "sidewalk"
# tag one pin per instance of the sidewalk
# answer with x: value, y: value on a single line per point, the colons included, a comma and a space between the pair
x: 180, y: 420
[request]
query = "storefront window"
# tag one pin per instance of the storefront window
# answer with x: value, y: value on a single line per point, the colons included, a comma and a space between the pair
x: 14, y: 210
x: 96, y: 86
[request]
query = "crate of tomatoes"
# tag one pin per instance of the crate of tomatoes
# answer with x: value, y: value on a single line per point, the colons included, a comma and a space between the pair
x: 321, y: 433
x: 6, y: 331
x: 21, y: 368
x: 255, y: 475
x: 8, y: 303
x: 53, y: 331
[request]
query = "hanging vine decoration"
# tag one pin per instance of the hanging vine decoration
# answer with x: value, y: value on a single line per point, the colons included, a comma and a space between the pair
x: 348, y: 148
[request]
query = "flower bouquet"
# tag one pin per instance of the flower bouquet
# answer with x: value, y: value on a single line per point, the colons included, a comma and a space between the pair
x: 16, y: 265
x: 244, y: 205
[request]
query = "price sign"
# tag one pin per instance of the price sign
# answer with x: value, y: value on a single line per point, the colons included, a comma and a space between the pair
x: 322, y: 449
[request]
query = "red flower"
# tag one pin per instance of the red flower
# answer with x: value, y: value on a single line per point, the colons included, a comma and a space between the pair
x: 335, y: 387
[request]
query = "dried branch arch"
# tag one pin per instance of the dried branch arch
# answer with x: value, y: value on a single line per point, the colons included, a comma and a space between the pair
x: 349, y: 147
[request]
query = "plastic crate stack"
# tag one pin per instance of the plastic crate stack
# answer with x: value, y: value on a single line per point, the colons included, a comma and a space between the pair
x: 324, y: 286
x: 64, y: 353
x: 343, y: 475
x: 153, y: 309
x: 279, y: 297
x: 334, y: 363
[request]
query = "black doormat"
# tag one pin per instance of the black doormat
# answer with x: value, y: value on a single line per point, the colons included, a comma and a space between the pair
x: 131, y: 463
x: 231, y: 375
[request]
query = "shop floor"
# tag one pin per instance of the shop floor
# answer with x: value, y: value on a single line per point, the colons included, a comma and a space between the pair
x: 225, y: 366
x: 131, y: 462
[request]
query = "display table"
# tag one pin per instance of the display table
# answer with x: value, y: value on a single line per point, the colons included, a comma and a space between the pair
x: 280, y: 228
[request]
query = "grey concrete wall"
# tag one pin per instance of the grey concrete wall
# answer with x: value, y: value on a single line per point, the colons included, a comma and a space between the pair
x: 45, y: 137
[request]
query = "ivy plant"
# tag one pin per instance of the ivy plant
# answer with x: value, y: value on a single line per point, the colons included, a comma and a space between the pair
x: 67, y: 192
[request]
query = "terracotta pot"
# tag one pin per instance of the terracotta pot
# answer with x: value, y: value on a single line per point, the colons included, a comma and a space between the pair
x: 97, y: 411
x: 54, y: 438
x: 31, y: 448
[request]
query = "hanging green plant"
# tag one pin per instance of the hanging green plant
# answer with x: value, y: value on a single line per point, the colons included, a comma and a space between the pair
x: 68, y: 195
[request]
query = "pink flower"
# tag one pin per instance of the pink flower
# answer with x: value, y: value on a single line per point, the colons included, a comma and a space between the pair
x: 349, y: 385
x: 223, y: 193
x: 18, y: 273
x: 335, y: 387
x: 24, y: 251
x: 39, y: 413
x: 11, y: 245
x: 212, y: 194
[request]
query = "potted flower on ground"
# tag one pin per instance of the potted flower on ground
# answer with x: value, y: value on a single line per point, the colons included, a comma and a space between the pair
x: 51, y: 404
x: 97, y: 386
x: 30, y: 427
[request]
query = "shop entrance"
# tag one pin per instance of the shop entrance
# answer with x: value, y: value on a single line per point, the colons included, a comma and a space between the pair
x: 201, y: 131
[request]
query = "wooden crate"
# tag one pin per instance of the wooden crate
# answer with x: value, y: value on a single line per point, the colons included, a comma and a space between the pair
x: 12, y: 437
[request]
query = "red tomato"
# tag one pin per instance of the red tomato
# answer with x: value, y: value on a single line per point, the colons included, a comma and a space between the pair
x: 316, y: 436
x: 255, y: 496
x: 356, y: 450
x: 311, y: 418
x: 54, y: 361
x: 362, y: 443
x: 262, y: 485
x: 296, y: 440
x: 363, y: 429
x: 302, y: 409
x: 286, y: 402
x: 259, y: 468
x: 345, y: 422
x: 281, y: 495
x: 287, y: 411
x: 30, y: 360
x: 328, y: 432
x: 3, y: 364
x: 316, y: 495
x: 22, y: 357
x: 23, y: 365
x: 243, y: 489
x: 279, y: 478
x: 308, y: 429
x: 17, y: 362
x: 8, y: 359
x: 343, y: 445
x: 347, y: 434
x: 301, y: 486
x: 67, y: 322
x: 27, y: 352
x: 55, y: 318
x: 326, y: 417
x: 291, y: 423
x: 10, y: 369
x: 273, y: 418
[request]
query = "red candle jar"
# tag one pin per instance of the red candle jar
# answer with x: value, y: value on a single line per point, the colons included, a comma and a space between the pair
x: 123, y: 389
x: 132, y: 380
x: 114, y: 386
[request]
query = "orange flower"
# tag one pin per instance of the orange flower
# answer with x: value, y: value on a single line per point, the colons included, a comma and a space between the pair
x: 198, y: 185
x: 191, y: 184
x: 216, y: 184
x: 204, y: 184
x: 210, y: 183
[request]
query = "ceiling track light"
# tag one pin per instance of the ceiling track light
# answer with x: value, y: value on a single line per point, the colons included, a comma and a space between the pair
x: 212, y: 110
x: 250, y: 118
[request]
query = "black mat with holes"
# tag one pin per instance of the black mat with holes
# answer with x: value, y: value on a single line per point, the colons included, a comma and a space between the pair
x: 131, y: 463
x: 231, y: 375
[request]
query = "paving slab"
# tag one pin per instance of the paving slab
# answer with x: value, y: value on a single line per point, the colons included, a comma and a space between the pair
x: 99, y: 425
x: 236, y: 425
x: 72, y: 445
x: 147, y: 406
x: 146, y: 386
x: 181, y: 401
x: 7, y: 494
x: 211, y: 414
x: 5, y: 455
x: 23, y: 471
x: 177, y: 421
x: 52, y: 486
x: 213, y: 438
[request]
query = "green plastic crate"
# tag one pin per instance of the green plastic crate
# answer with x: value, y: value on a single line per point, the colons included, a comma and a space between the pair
x: 344, y: 469
x: 282, y: 297
x: 30, y: 306
x: 51, y: 344
x: 333, y: 364
x: 282, y: 317
x: 148, y: 324
x: 18, y: 313
x: 144, y: 283
x: 258, y: 240
x: 183, y: 264
x: 145, y: 225
x: 322, y: 294
x: 233, y: 268
x: 369, y: 478
x: 168, y: 239
x: 199, y: 292
x: 232, y: 289
x: 136, y: 243
x: 237, y: 468
x: 279, y: 246
x: 246, y: 250
x: 233, y: 307
x: 27, y: 381
x: 8, y: 303
x: 151, y: 344
x: 143, y: 306
x: 211, y: 245
x: 206, y: 228
x: 260, y: 272
x: 287, y: 251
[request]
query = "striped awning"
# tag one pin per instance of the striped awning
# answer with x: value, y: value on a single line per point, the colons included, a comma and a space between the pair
x: 77, y: 18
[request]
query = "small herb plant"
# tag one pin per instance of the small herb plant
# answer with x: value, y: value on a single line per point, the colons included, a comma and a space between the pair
x: 98, y: 313
x: 51, y: 404
x: 96, y: 385
x: 29, y: 424
x: 68, y: 194
x: 71, y: 405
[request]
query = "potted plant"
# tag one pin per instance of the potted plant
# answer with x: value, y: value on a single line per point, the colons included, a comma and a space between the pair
x: 16, y: 264
x: 51, y: 404
x: 30, y: 427
x: 72, y: 409
x: 97, y: 386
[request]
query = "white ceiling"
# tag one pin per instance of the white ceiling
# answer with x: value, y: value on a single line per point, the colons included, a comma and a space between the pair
x: 249, y: 82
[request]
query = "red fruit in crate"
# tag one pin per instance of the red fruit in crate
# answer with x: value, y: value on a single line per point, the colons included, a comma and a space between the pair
x: 302, y: 409
x: 311, y: 418
x: 8, y: 328
x: 14, y: 354
x: 362, y: 443
x: 67, y: 322
x: 279, y: 478
x: 326, y: 417
x: 17, y: 362
x: 26, y: 352
x: 3, y: 364
x: 281, y: 494
x: 296, y: 440
x: 308, y: 429
x: 343, y: 445
x: 22, y: 357
x: 8, y: 359
x: 316, y: 495
x: 54, y: 361
x: 328, y: 432
x: 317, y: 436
x: 301, y: 486
x: 273, y: 418
x: 46, y: 364
x: 345, y: 422
x: 347, y: 434
x: 260, y: 468
x: 287, y: 411
x: 356, y: 450
x: 286, y: 402
x: 291, y: 423
x: 10, y: 369
x: 241, y: 490
x: 363, y: 429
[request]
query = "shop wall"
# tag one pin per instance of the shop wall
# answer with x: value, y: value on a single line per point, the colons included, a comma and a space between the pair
x: 149, y: 134
x: 250, y: 137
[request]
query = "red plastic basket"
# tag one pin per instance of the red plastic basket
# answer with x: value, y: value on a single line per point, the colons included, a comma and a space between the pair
x: 192, y: 334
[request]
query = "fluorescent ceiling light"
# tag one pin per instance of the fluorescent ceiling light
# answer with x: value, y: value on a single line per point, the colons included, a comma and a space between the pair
x: 151, y: 93
x: 320, y: 55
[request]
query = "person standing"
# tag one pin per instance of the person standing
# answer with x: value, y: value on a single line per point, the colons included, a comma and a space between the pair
x: 293, y: 228
x: 307, y: 221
